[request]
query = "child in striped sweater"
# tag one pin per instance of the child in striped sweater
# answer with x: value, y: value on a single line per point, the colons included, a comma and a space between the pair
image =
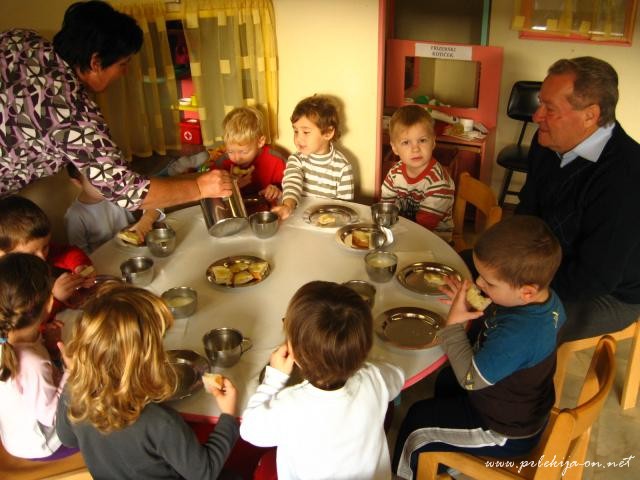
x: 418, y: 183
x: 317, y: 168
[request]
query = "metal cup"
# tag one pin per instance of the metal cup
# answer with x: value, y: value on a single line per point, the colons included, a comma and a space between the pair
x: 224, y: 346
x: 161, y: 241
x: 381, y: 266
x: 225, y: 216
x: 137, y: 271
x: 385, y: 214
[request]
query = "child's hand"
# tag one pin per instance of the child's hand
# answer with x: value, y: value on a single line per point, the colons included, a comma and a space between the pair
x: 145, y: 224
x: 271, y: 193
x: 282, y: 359
x: 51, y: 336
x: 88, y: 273
x: 459, y: 312
x: 66, y: 284
x: 450, y: 288
x: 226, y: 398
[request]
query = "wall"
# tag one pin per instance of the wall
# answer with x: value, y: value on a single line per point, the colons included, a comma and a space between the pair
x: 331, y: 47
x: 529, y: 60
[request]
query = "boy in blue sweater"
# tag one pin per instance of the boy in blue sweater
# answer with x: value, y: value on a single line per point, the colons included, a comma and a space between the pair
x: 496, y: 396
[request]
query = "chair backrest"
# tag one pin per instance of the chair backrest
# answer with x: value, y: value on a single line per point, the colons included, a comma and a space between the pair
x: 478, y: 194
x: 523, y: 103
x: 568, y: 435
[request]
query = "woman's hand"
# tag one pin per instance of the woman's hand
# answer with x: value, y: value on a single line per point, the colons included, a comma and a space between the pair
x: 214, y: 184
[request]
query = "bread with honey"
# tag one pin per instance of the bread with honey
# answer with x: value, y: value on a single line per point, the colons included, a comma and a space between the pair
x: 213, y: 380
x: 129, y: 236
x: 221, y: 275
x: 258, y: 269
x: 476, y: 299
x: 361, y: 239
x: 242, y: 277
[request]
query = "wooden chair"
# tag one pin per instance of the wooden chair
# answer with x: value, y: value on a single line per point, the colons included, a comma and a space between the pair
x: 473, y: 191
x: 566, y: 437
x: 629, y: 394
x: 14, y: 468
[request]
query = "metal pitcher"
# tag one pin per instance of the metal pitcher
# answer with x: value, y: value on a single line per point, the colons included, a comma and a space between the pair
x: 225, y: 216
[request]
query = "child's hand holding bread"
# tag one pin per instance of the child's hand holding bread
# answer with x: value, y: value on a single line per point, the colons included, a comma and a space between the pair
x: 222, y: 390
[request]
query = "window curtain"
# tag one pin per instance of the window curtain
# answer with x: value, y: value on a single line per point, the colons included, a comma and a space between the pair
x: 232, y: 53
x: 139, y: 107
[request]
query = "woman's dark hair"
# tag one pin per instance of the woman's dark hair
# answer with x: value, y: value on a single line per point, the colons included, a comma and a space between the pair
x: 95, y: 27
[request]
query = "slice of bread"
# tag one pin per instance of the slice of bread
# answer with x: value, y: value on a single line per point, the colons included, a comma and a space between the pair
x: 239, y: 171
x: 213, y: 380
x: 86, y: 271
x: 222, y: 275
x: 476, y: 299
x: 360, y: 239
x: 258, y: 269
x: 129, y: 237
x: 326, y: 219
x: 241, y: 278
x: 239, y: 266
x: 434, y: 278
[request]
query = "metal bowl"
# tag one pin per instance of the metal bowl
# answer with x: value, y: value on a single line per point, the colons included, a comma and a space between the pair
x: 364, y: 289
x: 161, y: 241
x: 182, y: 301
x: 385, y: 214
x: 264, y: 224
x: 137, y: 271
x: 381, y: 265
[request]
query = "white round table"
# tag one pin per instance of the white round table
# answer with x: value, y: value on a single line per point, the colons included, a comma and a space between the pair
x: 298, y: 253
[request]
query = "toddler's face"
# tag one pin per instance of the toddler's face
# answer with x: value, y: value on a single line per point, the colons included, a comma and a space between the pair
x: 499, y: 291
x: 244, y: 154
x: 38, y: 247
x: 308, y: 138
x: 414, y: 145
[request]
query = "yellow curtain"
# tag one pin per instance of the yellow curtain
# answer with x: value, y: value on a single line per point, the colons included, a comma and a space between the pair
x: 139, y: 107
x: 232, y: 52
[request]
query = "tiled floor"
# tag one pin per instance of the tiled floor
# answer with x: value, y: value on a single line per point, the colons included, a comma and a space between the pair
x: 614, y: 437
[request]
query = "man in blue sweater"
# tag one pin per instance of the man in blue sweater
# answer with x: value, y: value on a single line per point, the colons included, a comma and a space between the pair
x: 584, y: 182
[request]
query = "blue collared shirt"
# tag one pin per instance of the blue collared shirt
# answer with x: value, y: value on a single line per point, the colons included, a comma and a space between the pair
x: 590, y: 148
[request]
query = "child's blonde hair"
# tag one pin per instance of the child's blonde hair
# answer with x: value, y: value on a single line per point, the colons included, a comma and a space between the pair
x: 25, y: 290
x: 322, y: 111
x: 118, y: 363
x: 21, y: 221
x: 331, y: 332
x: 243, y: 125
x: 521, y: 249
x: 408, y: 116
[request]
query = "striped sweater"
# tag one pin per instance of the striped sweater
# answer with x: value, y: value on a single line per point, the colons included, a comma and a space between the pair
x: 426, y: 199
x: 329, y: 175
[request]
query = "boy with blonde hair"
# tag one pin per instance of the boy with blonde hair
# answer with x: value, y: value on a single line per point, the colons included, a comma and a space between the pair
x: 258, y: 166
x: 496, y: 396
x: 317, y: 168
x: 331, y: 424
x: 418, y: 183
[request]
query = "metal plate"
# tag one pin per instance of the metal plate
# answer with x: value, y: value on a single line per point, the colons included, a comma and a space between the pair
x: 413, y: 277
x: 380, y: 236
x: 330, y: 216
x: 189, y: 367
x: 408, y: 328
x: 237, y: 260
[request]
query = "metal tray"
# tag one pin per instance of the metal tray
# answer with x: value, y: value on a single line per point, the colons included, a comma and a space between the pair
x: 341, y: 215
x: 380, y: 236
x: 408, y: 328
x: 412, y: 277
x: 189, y: 367
x: 237, y: 260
